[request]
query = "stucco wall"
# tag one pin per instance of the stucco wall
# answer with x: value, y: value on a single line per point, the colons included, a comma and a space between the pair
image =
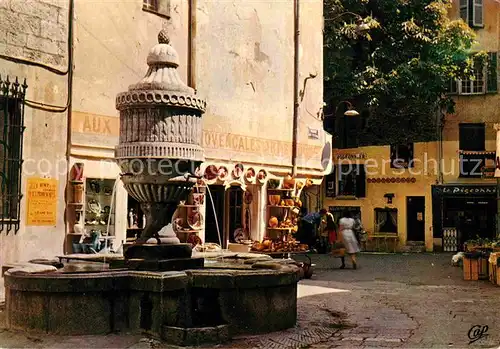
x: 245, y: 68
x: 37, y: 31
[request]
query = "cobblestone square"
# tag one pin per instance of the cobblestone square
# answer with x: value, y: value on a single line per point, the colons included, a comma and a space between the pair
x: 403, y: 301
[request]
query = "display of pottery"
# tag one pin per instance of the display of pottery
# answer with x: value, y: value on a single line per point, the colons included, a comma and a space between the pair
x: 274, y: 200
x: 289, y: 202
x: 94, y: 187
x: 288, y: 182
x: 78, y: 193
x: 194, y: 240
x: 273, y: 222
x: 107, y: 190
x: 211, y: 172
x: 250, y: 173
x: 198, y: 199
x: 261, y: 176
x: 195, y: 220
x: 238, y: 171
x: 94, y: 206
x: 268, y: 245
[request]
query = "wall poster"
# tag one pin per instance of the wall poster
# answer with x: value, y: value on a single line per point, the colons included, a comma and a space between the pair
x: 42, y: 202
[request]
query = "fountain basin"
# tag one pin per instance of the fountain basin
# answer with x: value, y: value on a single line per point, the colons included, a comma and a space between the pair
x: 182, y: 307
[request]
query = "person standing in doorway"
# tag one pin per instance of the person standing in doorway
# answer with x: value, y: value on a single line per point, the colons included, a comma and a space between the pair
x: 309, y: 224
x: 348, y: 238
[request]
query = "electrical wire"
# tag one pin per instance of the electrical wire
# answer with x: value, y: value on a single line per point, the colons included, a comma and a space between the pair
x: 35, y: 64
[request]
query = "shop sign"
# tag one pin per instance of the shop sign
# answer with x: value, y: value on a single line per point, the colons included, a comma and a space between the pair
x: 355, y: 156
x: 42, y: 202
x: 468, y: 190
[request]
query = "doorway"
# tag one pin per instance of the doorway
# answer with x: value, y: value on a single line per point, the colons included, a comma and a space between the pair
x: 211, y: 222
x: 235, y: 211
x: 415, y: 218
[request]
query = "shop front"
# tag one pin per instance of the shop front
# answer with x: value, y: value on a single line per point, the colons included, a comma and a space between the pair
x: 96, y: 202
x: 463, y: 212
x: 244, y: 204
x: 96, y: 207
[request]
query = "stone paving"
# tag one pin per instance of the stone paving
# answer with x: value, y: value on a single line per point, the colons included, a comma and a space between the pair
x: 404, y: 301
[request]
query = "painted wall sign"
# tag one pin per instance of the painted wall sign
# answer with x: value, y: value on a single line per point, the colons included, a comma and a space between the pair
x: 355, y: 156
x: 267, y: 147
x: 42, y: 202
x: 92, y: 124
x: 95, y: 124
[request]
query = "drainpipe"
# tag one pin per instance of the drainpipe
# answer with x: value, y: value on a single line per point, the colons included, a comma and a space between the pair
x: 296, y: 11
x: 71, y: 15
x: 440, y: 126
x: 191, y: 44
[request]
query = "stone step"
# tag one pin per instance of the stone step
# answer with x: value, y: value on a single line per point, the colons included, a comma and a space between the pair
x: 415, y: 243
x: 413, y: 249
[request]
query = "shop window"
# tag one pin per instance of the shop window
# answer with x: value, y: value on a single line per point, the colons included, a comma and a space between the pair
x: 402, y: 156
x: 471, y: 11
x: 386, y: 220
x: 11, y: 146
x: 351, y: 180
x: 472, y: 146
x: 159, y: 7
x: 235, y: 219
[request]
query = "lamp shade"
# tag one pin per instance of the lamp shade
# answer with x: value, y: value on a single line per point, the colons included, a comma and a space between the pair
x: 351, y: 112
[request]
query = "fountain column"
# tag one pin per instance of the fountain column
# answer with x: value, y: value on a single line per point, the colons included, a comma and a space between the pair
x: 159, y: 149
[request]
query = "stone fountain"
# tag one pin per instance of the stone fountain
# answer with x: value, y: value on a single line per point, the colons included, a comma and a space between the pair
x: 159, y: 151
x: 157, y: 286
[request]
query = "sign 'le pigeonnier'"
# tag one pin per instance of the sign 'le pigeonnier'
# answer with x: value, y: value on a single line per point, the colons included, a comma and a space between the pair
x: 469, y: 190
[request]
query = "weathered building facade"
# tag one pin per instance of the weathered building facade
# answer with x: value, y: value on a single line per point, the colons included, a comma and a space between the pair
x: 434, y: 194
x: 238, y: 55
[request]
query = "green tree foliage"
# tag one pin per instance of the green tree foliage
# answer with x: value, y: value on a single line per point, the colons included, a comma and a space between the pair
x: 394, y: 59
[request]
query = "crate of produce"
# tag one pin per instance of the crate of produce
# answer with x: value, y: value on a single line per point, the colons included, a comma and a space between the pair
x: 475, y: 266
x: 494, y: 273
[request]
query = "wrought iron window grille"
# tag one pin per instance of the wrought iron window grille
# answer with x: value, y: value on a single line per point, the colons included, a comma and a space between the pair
x: 12, y: 101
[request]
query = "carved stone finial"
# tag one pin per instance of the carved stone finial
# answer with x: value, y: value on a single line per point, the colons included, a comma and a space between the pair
x: 163, y: 37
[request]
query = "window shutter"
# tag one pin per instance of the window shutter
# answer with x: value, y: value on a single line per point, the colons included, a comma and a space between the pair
x: 464, y: 10
x: 361, y: 182
x: 477, y: 13
x: 492, y: 72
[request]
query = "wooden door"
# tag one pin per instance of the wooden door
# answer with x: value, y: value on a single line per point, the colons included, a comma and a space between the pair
x: 415, y: 218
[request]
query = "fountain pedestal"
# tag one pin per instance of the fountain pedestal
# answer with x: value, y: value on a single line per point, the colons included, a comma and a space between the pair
x: 164, y: 252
